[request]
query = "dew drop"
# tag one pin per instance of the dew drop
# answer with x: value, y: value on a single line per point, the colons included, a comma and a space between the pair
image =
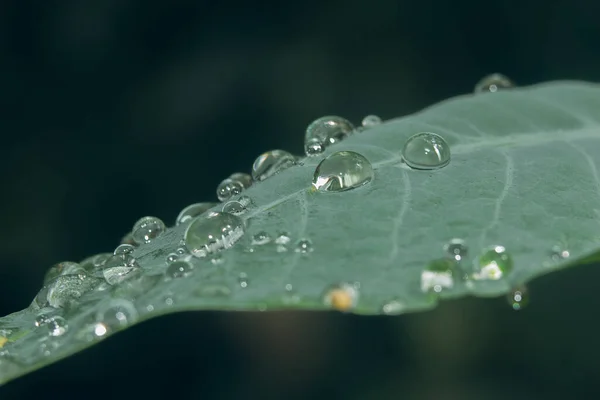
x: 234, y: 207
x: 493, y: 83
x: 558, y: 253
x: 304, y: 246
x: 94, y: 262
x: 371, y: 120
x: 341, y: 297
x: 64, y: 289
x: 172, y: 258
x: 228, y: 188
x: 494, y: 264
x: 217, y: 259
x: 62, y: 268
x: 179, y: 269
x: 261, y: 238
x: 426, y: 150
x: 342, y: 171
x: 438, y: 275
x: 213, y: 233
x: 146, y: 229
x: 192, y: 211
x: 282, y: 240
x: 270, y: 163
x: 243, y: 280
x: 56, y: 325
x: 123, y: 249
x: 518, y: 298
x: 393, y: 307
x: 181, y: 251
x: 119, y: 267
x: 117, y: 314
x: 326, y: 131
x: 456, y: 249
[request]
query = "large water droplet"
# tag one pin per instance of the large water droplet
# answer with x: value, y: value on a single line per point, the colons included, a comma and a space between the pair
x: 341, y: 297
x: 325, y: 131
x: 342, y: 171
x: 456, y: 249
x: 518, y: 298
x: 493, y: 83
x: 426, y: 150
x: 438, y: 275
x: 64, y: 289
x: 371, y: 120
x: 119, y: 267
x: 179, y: 269
x: 282, y: 240
x: 62, y: 268
x: 192, y: 211
x: 270, y: 163
x: 494, y: 264
x: 146, y: 229
x: 213, y: 233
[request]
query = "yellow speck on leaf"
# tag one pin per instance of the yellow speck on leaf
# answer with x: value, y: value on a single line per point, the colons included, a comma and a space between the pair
x: 3, y: 341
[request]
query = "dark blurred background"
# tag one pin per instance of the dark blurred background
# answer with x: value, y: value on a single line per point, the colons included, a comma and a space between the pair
x: 116, y: 109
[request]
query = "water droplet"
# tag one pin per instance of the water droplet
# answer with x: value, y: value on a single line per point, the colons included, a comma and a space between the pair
x: 179, y: 269
x: 494, y: 264
x: 270, y: 163
x: 117, y: 314
x: 56, y: 325
x: 213, y: 233
x: 192, y: 211
x: 243, y: 280
x: 243, y: 178
x: 168, y: 301
x: 326, y: 131
x: 228, y: 188
x: 493, y: 83
x: 64, y: 289
x: 261, y: 238
x: 438, y: 275
x: 234, y: 207
x: 124, y: 249
x: 456, y: 249
x: 146, y: 229
x: 62, y: 268
x: 282, y: 240
x: 341, y: 297
x: 394, y: 307
x: 518, y: 298
x: 559, y: 253
x: 94, y: 262
x: 217, y: 259
x: 119, y: 267
x: 181, y: 251
x: 371, y: 120
x: 304, y: 246
x: 426, y: 150
x: 172, y: 258
x: 342, y: 171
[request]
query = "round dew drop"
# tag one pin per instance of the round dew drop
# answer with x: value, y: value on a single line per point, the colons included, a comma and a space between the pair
x: 119, y: 267
x: 270, y: 163
x: 213, y: 233
x: 63, y: 268
x: 234, y: 207
x: 493, y: 83
x: 117, y: 313
x: 371, y: 120
x: 57, y: 326
x: 146, y: 229
x: 324, y: 132
x: 342, y: 171
x: 261, y: 238
x: 304, y: 246
x: 192, y: 211
x: 228, y: 188
x: 438, y: 275
x: 426, y: 150
x: 456, y: 249
x: 313, y: 147
x: 495, y: 263
x: 341, y: 297
x: 179, y: 269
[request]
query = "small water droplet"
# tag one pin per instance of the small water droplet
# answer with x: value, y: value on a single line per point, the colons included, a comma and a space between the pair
x: 342, y: 171
x: 117, y: 314
x: 234, y: 207
x: 518, y: 298
x: 243, y: 280
x: 494, y: 264
x: 456, y: 249
x: 146, y: 229
x: 426, y: 150
x: 394, y: 306
x: 326, y: 131
x: 56, y: 325
x: 213, y: 233
x: 261, y: 238
x: 304, y: 246
x: 124, y: 249
x: 270, y: 163
x: 342, y: 296
x: 181, y: 251
x: 559, y: 253
x: 192, y: 211
x: 228, y: 188
x: 243, y: 178
x: 438, y: 275
x: 172, y: 258
x: 65, y: 289
x: 119, y: 267
x: 283, y: 238
x: 493, y: 83
x: 62, y: 268
x: 371, y: 120
x: 179, y: 269
x: 217, y: 259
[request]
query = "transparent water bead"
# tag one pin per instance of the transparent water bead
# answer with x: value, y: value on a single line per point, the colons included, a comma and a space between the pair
x: 146, y: 229
x: 304, y: 246
x: 326, y: 131
x: 438, y: 275
x: 261, y: 238
x: 371, y: 120
x: 426, y: 150
x: 234, y: 207
x: 342, y: 296
x: 124, y: 249
x: 243, y: 280
x: 62, y: 268
x: 64, y: 289
x: 213, y: 233
x: 179, y: 269
x: 518, y: 298
x: 456, y: 249
x: 233, y: 186
x: 493, y: 83
x: 118, y: 313
x: 192, y: 211
x: 495, y: 263
x: 270, y: 163
x: 119, y: 267
x: 56, y: 325
x: 343, y: 170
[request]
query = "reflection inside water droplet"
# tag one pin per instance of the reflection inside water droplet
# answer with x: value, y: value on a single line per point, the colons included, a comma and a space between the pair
x: 494, y: 264
x: 213, y: 233
x: 117, y: 314
x: 493, y: 83
x: 304, y: 246
x: 456, y: 249
x: 342, y: 171
x: 426, y: 150
x: 146, y: 229
x: 270, y: 163
x: 124, y: 249
x: 438, y: 275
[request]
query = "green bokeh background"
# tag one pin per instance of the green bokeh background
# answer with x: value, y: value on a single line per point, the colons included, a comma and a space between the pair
x: 116, y: 109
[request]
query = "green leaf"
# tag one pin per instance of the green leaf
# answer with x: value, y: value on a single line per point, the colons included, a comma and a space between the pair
x: 523, y: 175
